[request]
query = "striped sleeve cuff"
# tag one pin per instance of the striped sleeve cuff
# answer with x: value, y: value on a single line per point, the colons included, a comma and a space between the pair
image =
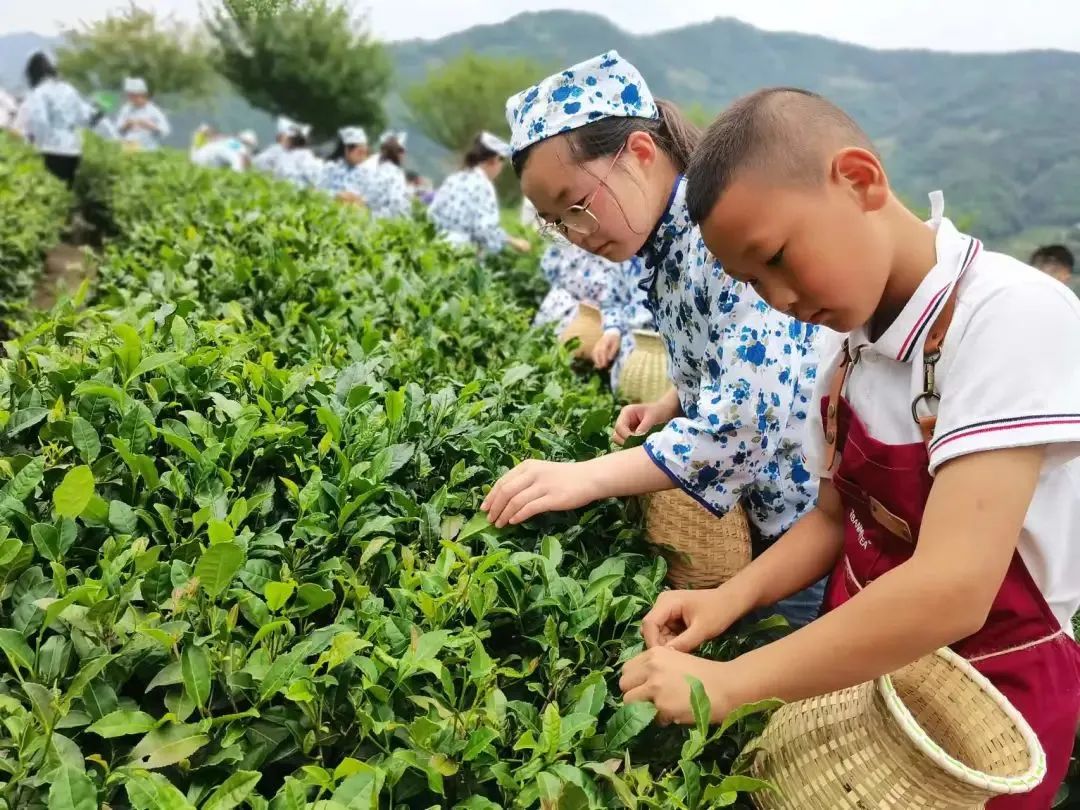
x: 1006, y: 432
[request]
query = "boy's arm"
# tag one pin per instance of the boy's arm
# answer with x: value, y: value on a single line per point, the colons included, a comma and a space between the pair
x: 943, y: 593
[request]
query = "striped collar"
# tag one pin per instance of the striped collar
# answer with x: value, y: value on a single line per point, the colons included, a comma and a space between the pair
x: 956, y: 253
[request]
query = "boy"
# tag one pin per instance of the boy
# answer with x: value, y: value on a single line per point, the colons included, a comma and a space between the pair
x: 1056, y: 261
x: 946, y: 431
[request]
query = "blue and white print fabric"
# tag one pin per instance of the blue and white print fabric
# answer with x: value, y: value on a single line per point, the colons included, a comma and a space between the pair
x: 342, y: 177
x: 389, y: 197
x: 466, y: 209
x: 602, y: 87
x: 267, y: 159
x: 55, y: 116
x: 143, y: 138
x: 745, y: 376
x: 300, y: 167
x: 626, y: 309
x: 576, y: 276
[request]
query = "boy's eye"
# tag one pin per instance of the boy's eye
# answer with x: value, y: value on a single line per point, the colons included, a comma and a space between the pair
x: 776, y: 259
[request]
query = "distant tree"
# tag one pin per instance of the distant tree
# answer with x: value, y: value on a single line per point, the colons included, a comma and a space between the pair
x: 466, y: 95
x: 312, y: 60
x: 173, y: 58
x: 697, y: 114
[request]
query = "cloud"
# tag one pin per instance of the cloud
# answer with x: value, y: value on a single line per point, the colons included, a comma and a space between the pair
x: 960, y: 25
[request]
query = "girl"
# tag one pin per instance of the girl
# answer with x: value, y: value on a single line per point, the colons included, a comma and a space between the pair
x: 346, y: 176
x: 266, y: 160
x: 53, y: 118
x: 576, y: 276
x: 946, y: 430
x: 602, y: 161
x: 389, y: 191
x: 466, y: 208
x: 626, y: 309
x: 298, y: 164
x: 141, y: 123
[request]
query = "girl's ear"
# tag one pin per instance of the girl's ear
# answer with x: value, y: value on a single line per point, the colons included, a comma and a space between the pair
x: 642, y: 148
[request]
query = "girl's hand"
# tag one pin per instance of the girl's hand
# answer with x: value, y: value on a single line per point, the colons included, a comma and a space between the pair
x: 659, y: 676
x: 606, y: 349
x: 534, y: 487
x: 519, y: 244
x: 684, y: 620
x: 635, y: 420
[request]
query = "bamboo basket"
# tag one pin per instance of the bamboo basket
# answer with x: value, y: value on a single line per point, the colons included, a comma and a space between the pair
x: 645, y: 376
x: 701, y: 549
x: 935, y: 735
x: 588, y: 326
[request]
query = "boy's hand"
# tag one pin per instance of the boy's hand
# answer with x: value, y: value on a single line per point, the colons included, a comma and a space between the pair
x: 606, y: 349
x: 659, y: 676
x: 534, y: 487
x: 684, y: 620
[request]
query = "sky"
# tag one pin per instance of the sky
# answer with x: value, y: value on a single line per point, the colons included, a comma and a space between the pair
x: 958, y: 25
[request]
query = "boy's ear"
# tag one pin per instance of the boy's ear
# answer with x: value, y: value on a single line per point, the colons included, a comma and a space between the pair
x: 861, y: 173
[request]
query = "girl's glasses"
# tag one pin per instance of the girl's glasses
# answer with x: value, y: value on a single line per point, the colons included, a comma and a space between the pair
x: 578, y: 219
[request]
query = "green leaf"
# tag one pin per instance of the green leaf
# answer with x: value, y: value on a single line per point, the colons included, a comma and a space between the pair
x: 170, y: 675
x: 25, y: 418
x: 122, y: 722
x: 89, y: 670
x: 195, y: 668
x: 309, y: 495
x: 130, y: 350
x: 478, y: 742
x: 74, y: 493
x: 85, y: 439
x: 314, y: 597
x: 292, y: 796
x: 234, y: 791
x: 16, y: 649
x: 701, y: 705
x: 72, y: 790
x: 122, y: 518
x: 760, y: 707
x: 627, y: 723
x: 25, y: 481
x: 152, y: 791
x: 217, y: 567
x: 167, y: 746
x: 552, y: 730
x: 155, y: 361
x: 715, y: 796
x: 516, y: 374
x: 745, y: 784
x: 477, y: 523
x: 47, y: 541
x: 395, y: 407
x: 219, y: 531
x: 278, y: 594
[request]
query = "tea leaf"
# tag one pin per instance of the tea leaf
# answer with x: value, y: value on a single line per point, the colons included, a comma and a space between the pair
x: 218, y: 566
x: 73, y: 494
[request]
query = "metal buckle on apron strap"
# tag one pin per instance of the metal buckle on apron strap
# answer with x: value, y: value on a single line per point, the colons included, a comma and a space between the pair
x: 929, y: 393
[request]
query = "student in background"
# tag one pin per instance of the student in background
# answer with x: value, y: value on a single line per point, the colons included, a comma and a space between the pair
x: 466, y: 207
x: 53, y: 117
x: 625, y: 310
x: 266, y: 160
x: 346, y: 175
x: 390, y: 196
x: 141, y: 123
x: 298, y: 164
x: 223, y: 152
x: 1056, y: 261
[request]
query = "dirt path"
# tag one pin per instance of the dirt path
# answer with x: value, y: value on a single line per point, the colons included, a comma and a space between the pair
x: 65, y: 269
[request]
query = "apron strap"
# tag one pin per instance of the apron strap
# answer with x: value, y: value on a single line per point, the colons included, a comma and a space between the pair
x: 836, y: 390
x: 931, y: 354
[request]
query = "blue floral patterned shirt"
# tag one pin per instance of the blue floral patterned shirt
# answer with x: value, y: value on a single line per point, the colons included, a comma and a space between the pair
x: 55, y: 115
x: 267, y: 159
x: 300, y: 167
x: 626, y: 309
x: 389, y: 196
x: 745, y: 375
x: 576, y: 276
x: 341, y: 176
x: 143, y: 138
x: 466, y: 209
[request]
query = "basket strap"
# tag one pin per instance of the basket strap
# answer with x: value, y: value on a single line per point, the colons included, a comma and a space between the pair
x: 833, y: 441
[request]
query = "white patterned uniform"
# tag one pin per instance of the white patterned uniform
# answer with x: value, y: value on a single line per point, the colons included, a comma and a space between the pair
x: 626, y: 309
x: 300, y: 167
x: 223, y: 153
x: 267, y: 159
x: 466, y: 210
x: 53, y: 117
x: 143, y: 138
x: 744, y: 373
x: 342, y: 177
x: 389, y: 198
x: 576, y: 276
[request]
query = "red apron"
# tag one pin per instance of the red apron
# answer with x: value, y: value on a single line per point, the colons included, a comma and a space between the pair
x: 1021, y: 648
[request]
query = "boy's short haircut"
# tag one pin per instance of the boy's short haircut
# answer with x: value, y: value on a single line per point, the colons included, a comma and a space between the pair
x: 783, y: 131
x: 1053, y: 254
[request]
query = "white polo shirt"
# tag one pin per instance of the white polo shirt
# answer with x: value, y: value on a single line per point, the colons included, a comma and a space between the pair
x: 1009, y: 376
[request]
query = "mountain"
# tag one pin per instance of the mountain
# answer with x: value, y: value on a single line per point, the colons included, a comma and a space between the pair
x: 997, y: 132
